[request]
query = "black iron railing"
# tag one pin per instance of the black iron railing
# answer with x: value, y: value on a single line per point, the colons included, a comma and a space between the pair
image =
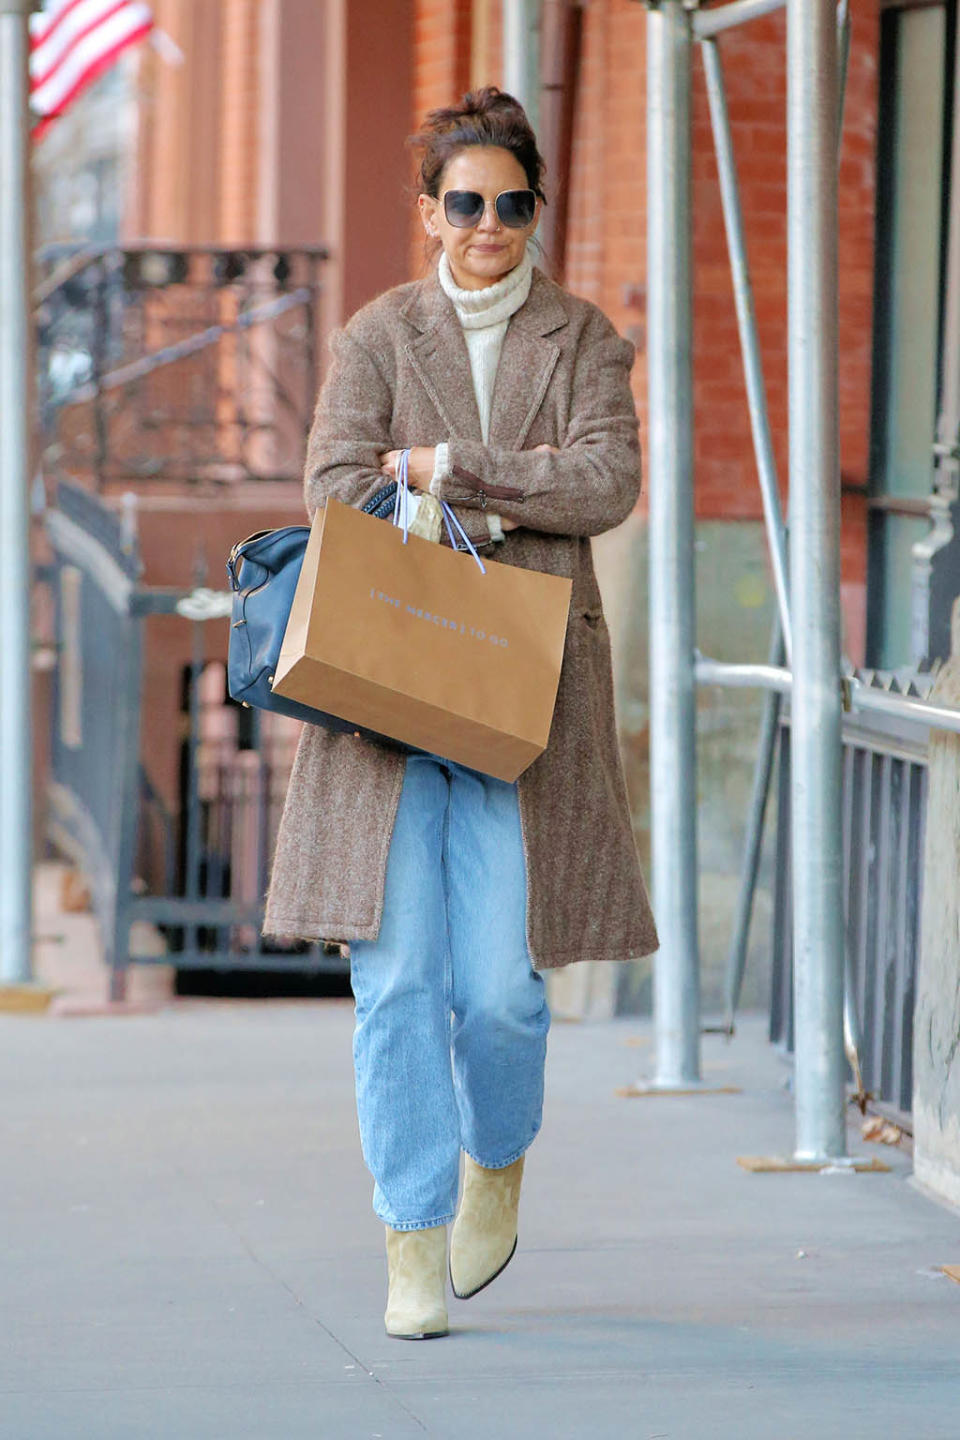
x: 161, y: 363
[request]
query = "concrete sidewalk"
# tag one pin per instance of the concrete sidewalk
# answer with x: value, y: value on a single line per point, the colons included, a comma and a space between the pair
x: 189, y: 1253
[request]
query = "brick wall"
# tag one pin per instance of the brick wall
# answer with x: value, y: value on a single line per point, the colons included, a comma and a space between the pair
x: 239, y: 118
x: 196, y: 178
x: 754, y: 61
x: 441, y: 69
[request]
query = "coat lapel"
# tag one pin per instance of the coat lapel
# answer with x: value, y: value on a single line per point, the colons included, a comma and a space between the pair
x: 439, y: 357
x: 527, y: 360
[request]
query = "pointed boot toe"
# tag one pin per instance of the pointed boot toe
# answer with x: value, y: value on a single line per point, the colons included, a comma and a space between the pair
x: 484, y: 1237
x: 416, y: 1269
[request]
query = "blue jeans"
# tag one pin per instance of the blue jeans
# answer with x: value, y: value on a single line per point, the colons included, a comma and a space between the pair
x: 451, y: 1018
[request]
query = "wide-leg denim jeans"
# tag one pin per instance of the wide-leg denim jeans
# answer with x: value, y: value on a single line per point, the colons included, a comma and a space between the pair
x: 451, y: 1018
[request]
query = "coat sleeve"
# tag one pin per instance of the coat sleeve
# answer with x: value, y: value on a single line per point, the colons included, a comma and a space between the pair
x: 593, y: 482
x: 351, y: 429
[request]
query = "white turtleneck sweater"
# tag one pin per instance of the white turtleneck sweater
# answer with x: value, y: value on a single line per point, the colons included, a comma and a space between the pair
x: 484, y: 316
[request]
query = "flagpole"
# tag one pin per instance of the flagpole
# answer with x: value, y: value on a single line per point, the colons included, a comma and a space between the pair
x: 16, y: 753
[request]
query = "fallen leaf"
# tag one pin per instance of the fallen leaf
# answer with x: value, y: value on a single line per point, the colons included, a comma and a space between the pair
x: 884, y: 1132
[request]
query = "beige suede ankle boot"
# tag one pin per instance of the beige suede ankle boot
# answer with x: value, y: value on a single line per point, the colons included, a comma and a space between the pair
x: 416, y: 1268
x: 485, y: 1232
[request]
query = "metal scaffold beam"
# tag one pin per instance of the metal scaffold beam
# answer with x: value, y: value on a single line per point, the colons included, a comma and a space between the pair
x: 16, y: 847
x: 670, y: 489
x: 808, y: 590
x: 519, y: 52
x: 816, y: 755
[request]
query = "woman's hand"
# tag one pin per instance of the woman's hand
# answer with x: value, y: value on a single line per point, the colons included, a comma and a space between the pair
x: 420, y: 470
x: 506, y: 524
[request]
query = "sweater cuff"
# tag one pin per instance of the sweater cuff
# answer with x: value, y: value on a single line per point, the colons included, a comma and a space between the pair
x: 494, y: 526
x: 441, y: 468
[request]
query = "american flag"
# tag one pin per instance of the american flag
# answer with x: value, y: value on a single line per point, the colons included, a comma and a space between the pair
x: 74, y: 41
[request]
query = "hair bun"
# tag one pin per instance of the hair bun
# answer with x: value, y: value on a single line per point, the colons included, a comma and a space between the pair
x: 489, y: 99
x: 487, y: 116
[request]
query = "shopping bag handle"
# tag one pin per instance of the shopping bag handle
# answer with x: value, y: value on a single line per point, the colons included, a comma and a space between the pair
x: 449, y: 516
x: 401, y: 499
x: 401, y: 505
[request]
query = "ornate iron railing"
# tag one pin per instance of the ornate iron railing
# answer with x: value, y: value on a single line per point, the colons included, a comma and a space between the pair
x: 162, y: 363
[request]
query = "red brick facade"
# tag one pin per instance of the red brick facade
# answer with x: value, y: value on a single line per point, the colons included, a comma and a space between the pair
x: 239, y: 117
x: 442, y: 47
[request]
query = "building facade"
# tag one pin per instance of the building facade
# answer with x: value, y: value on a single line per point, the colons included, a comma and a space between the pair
x: 283, y: 123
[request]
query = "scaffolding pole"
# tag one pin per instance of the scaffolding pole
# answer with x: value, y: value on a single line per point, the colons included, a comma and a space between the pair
x: 670, y: 489
x: 749, y: 334
x: 16, y: 778
x: 818, y: 938
x: 519, y: 53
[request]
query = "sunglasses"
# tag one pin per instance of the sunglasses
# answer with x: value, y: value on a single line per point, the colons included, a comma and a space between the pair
x: 464, y: 208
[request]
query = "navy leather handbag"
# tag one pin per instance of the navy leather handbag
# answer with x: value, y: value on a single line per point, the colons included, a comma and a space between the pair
x: 263, y: 571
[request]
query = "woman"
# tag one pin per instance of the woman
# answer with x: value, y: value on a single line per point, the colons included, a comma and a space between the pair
x: 453, y: 889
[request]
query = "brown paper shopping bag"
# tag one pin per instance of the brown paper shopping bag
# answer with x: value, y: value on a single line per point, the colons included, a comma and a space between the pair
x: 414, y: 641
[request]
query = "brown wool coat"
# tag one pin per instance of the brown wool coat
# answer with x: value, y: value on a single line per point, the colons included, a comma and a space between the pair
x: 401, y: 377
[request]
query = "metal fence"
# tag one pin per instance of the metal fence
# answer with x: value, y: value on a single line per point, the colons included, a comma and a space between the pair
x: 195, y: 869
x: 94, y: 754
x: 884, y: 814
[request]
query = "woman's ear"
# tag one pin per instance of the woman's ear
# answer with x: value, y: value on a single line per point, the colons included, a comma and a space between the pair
x: 428, y: 214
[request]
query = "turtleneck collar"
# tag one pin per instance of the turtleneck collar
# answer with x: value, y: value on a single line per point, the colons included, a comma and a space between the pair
x: 494, y: 303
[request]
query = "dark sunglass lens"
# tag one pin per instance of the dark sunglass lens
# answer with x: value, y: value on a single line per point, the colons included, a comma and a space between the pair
x: 463, y: 207
x: 516, y: 207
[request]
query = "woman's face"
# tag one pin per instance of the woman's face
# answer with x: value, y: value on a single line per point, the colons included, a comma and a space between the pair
x: 484, y: 253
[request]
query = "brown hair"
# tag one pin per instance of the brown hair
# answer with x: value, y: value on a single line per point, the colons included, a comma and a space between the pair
x: 484, y: 117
